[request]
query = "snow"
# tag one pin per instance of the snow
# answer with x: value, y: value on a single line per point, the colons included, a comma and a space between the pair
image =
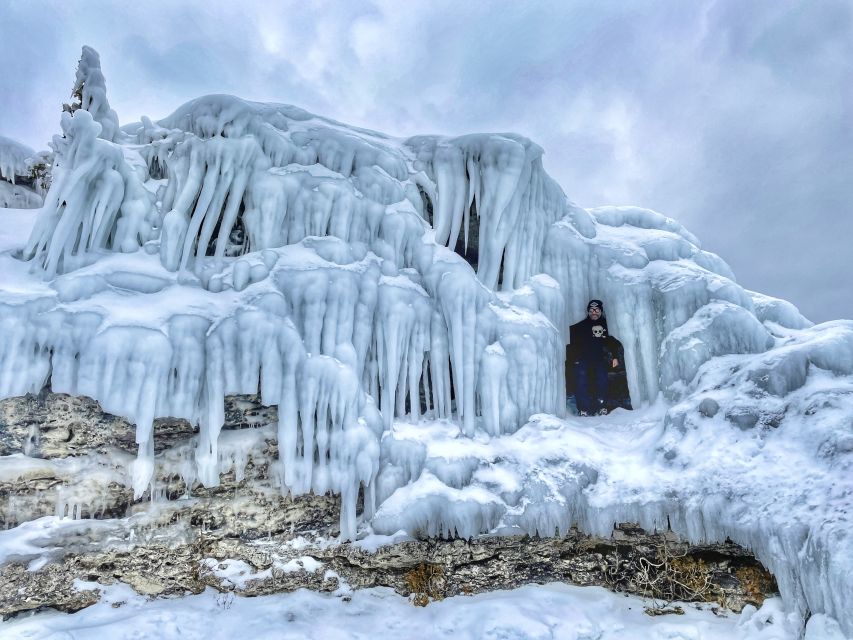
x: 236, y: 248
x: 532, y: 612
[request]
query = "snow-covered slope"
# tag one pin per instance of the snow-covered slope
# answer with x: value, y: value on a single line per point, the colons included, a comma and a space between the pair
x: 236, y: 247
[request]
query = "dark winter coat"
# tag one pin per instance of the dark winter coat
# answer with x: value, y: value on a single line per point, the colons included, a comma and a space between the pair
x: 586, y: 348
x: 581, y: 341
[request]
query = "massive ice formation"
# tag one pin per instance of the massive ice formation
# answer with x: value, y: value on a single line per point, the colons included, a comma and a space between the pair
x: 405, y: 303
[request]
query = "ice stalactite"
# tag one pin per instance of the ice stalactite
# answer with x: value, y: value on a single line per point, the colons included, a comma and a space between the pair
x: 333, y: 303
x: 535, y: 360
x: 226, y: 186
x: 328, y: 430
x: 514, y: 199
x: 333, y: 449
x: 459, y: 298
x: 402, y: 338
x: 125, y: 368
x: 494, y: 391
x: 207, y: 184
x: 283, y: 207
x: 128, y: 381
x: 97, y: 201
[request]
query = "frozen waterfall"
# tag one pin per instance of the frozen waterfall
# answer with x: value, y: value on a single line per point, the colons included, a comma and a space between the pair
x: 239, y: 248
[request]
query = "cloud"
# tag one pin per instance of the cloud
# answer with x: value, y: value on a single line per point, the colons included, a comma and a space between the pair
x: 733, y: 117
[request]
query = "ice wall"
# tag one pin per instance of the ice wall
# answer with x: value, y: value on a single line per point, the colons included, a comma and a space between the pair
x: 315, y: 262
x: 220, y: 186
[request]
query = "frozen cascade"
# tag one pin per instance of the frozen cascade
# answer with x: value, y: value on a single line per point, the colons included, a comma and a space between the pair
x: 238, y: 248
x: 97, y: 201
x: 404, y: 316
x: 501, y: 178
x: 207, y: 181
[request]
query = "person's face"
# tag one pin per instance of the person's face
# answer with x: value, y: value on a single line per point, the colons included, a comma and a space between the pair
x: 594, y: 313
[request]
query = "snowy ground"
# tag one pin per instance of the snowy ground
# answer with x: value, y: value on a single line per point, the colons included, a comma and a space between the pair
x: 554, y: 611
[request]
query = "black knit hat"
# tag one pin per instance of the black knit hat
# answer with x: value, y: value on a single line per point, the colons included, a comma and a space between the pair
x: 595, y: 304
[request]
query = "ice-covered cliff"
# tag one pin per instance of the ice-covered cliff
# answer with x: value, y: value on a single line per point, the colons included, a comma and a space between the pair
x: 405, y: 303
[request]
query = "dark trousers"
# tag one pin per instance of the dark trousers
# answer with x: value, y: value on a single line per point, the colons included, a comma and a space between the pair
x: 590, y: 385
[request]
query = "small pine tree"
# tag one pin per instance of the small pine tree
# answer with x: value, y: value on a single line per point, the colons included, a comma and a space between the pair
x: 76, y: 100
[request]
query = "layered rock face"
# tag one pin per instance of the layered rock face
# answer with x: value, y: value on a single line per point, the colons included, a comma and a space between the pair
x: 245, y: 537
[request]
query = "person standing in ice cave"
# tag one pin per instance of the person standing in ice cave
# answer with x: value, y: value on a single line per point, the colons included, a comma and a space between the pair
x: 595, y: 365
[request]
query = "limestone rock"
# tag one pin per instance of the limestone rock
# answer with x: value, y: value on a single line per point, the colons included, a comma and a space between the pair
x: 245, y: 537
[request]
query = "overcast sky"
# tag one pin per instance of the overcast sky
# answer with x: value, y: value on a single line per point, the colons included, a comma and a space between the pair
x: 734, y: 117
